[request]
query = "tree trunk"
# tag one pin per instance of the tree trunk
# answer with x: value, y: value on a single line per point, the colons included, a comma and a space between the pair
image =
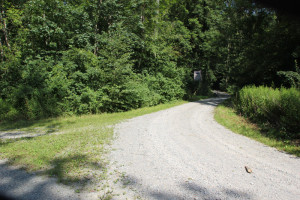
x: 227, y: 63
x: 96, y: 42
x: 97, y: 28
x: 4, y: 29
x: 142, y: 13
x: 2, y: 52
x: 157, y: 20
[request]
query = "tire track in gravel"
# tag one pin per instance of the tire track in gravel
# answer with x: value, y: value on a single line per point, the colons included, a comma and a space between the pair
x: 183, y: 153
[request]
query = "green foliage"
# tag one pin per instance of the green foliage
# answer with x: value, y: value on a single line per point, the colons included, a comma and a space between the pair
x: 290, y: 106
x: 79, y: 57
x: 7, y: 111
x: 290, y: 78
x: 166, y: 89
x: 279, y: 107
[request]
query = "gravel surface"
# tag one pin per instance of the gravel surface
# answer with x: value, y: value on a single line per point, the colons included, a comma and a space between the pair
x: 178, y: 153
x: 183, y: 153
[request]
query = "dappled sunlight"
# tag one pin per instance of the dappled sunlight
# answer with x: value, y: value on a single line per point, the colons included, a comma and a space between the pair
x: 78, y: 169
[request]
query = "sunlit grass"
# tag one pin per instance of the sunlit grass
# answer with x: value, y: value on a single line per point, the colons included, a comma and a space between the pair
x: 227, y: 116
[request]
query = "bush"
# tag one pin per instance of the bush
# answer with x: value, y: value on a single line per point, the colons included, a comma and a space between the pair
x: 7, y: 111
x: 290, y: 106
x: 279, y: 107
x: 165, y: 89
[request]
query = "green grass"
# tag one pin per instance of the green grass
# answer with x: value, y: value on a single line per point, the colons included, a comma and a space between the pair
x: 226, y: 115
x: 71, y: 149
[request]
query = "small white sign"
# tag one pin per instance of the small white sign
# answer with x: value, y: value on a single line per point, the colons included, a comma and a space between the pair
x: 197, y: 75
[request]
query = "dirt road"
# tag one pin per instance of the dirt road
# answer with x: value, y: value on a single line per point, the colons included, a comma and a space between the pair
x: 183, y: 153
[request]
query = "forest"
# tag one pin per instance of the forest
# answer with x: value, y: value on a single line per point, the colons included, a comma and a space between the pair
x: 94, y: 56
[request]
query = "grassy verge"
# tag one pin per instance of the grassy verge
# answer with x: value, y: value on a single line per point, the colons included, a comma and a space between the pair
x: 70, y: 148
x: 226, y: 115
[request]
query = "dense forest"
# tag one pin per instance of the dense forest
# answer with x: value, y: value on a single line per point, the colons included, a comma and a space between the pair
x: 93, y: 56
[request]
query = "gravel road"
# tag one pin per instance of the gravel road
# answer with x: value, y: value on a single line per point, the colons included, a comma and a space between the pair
x: 183, y: 153
x: 178, y: 153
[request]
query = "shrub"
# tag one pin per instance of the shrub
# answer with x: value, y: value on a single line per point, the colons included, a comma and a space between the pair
x: 290, y: 106
x: 279, y: 107
x: 166, y: 89
x: 7, y: 111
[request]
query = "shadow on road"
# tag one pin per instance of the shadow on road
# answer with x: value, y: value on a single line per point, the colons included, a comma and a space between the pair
x: 194, y: 191
x: 203, y: 193
x: 212, y: 101
x: 17, y: 184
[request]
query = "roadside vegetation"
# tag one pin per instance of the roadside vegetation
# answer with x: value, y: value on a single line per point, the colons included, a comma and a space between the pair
x: 70, y: 148
x: 85, y: 58
x: 270, y: 116
x: 80, y: 57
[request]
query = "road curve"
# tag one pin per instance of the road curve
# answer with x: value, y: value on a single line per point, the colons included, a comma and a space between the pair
x: 183, y: 153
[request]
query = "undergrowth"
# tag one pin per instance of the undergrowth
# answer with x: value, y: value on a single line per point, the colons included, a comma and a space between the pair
x: 276, y: 108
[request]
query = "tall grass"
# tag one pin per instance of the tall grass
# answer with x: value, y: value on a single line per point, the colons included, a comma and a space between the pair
x: 279, y: 108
